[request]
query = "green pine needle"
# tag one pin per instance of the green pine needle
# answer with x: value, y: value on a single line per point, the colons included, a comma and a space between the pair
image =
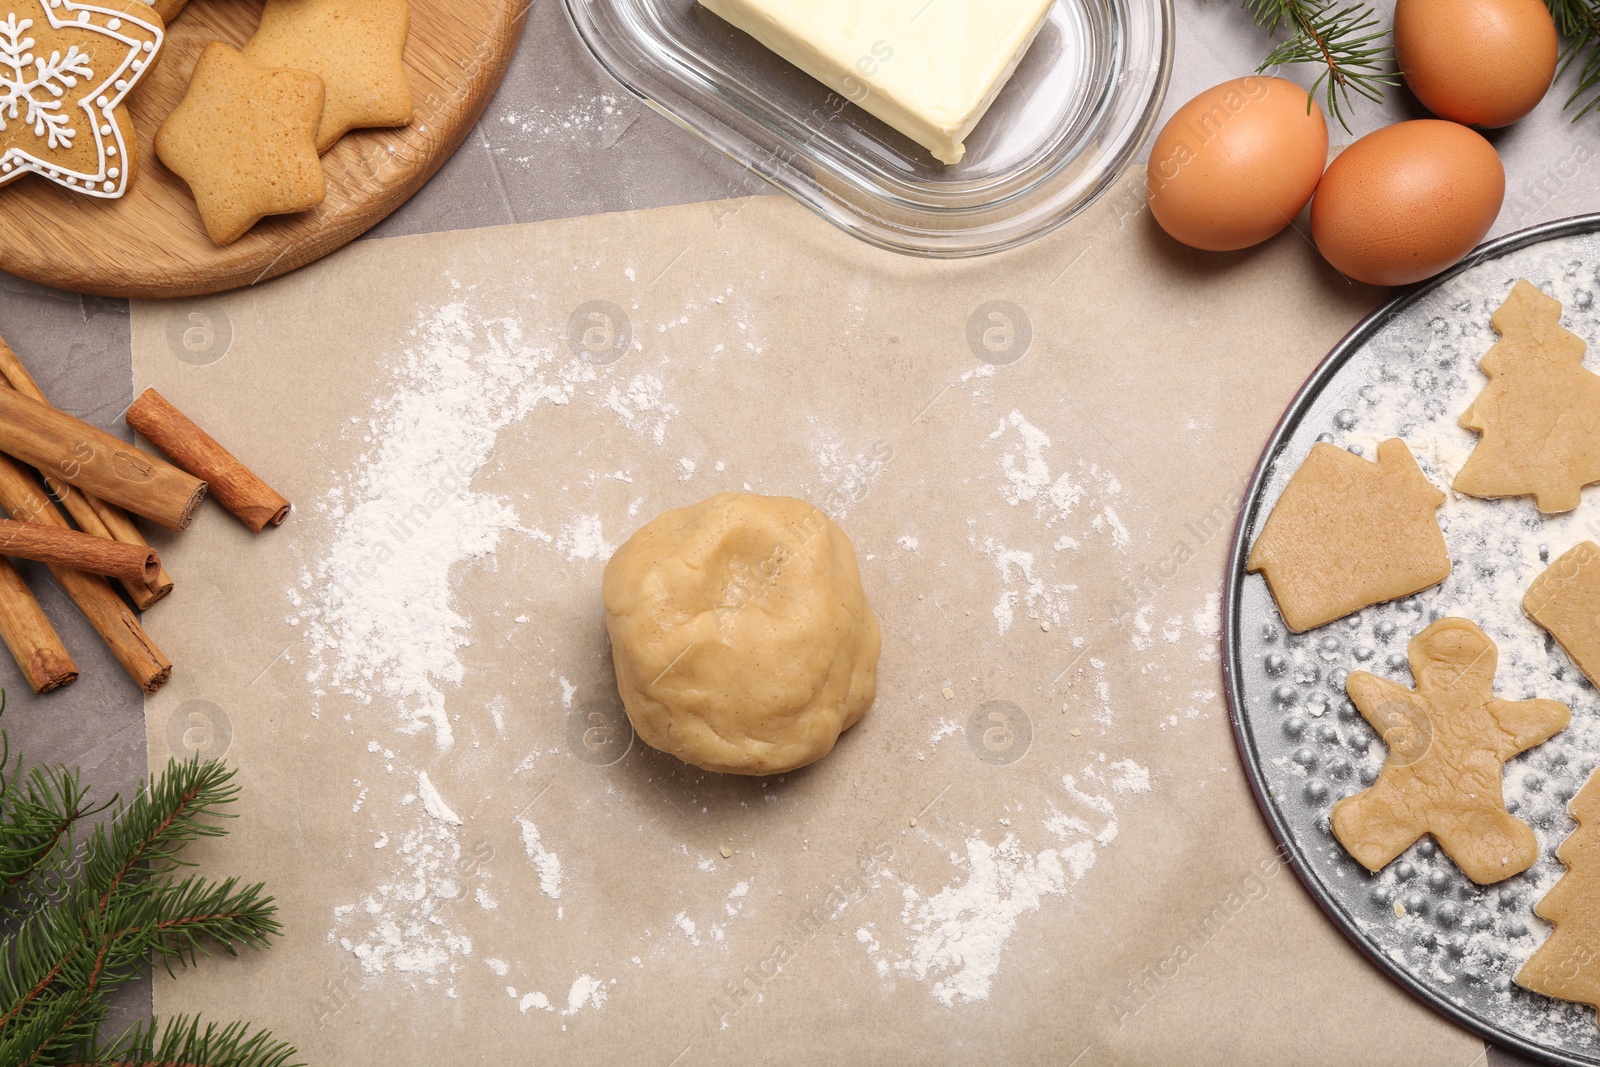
x: 1348, y: 42
x: 73, y: 928
x: 183, y: 1043
x: 1579, y: 23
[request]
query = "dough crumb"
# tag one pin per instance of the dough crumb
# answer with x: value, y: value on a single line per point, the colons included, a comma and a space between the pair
x: 1045, y: 625
x: 727, y: 853
x: 1076, y: 732
x: 913, y: 820
x: 1399, y: 910
x: 949, y: 694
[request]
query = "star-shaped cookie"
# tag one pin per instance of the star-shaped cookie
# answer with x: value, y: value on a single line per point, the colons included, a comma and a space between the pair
x: 243, y: 138
x: 354, y: 46
x: 1448, y: 743
x: 65, y: 69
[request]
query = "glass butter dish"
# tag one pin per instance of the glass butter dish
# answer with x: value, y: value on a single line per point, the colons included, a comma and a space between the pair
x: 1077, y: 109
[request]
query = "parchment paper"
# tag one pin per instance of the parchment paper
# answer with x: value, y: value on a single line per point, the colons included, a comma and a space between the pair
x: 1038, y: 457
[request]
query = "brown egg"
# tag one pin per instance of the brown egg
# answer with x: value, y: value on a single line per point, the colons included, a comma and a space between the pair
x: 1481, y: 62
x: 1237, y: 163
x: 1407, y: 201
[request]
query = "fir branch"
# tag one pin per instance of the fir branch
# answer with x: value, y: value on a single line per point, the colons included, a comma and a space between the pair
x: 191, y: 917
x: 1579, y: 23
x: 121, y: 908
x: 37, y: 818
x: 164, y: 816
x: 182, y: 1043
x: 1348, y: 42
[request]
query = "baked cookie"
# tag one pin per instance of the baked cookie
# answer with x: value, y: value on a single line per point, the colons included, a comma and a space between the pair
x: 354, y: 46
x: 166, y: 9
x: 243, y: 140
x: 1347, y: 534
x: 1565, y: 600
x: 1567, y: 965
x: 65, y: 69
x: 1448, y: 743
x: 1539, y: 411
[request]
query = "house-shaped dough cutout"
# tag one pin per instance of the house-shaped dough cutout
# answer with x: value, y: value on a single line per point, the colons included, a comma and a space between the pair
x: 1347, y: 534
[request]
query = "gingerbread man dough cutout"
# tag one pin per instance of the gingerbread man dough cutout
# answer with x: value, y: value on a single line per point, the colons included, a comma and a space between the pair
x: 1539, y: 414
x: 1448, y: 742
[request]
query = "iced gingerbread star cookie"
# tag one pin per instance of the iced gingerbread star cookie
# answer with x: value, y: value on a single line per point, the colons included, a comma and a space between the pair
x: 243, y: 138
x: 354, y: 46
x: 65, y: 70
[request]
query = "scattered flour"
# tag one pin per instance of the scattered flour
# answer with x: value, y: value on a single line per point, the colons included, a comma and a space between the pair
x: 583, y: 540
x: 1028, y: 480
x: 960, y: 932
x: 598, y: 119
x: 585, y: 992
x: 376, y: 607
x: 957, y: 935
x: 642, y: 406
x: 547, y: 863
x: 433, y: 803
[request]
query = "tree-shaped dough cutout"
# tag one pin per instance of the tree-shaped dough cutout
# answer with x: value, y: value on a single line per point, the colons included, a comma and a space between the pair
x: 1448, y: 743
x: 1539, y: 414
x: 1567, y: 966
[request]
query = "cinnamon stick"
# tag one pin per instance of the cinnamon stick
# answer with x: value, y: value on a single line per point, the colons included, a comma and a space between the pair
x: 93, y: 515
x: 234, y: 485
x: 106, y: 612
x: 30, y: 637
x: 93, y: 460
x: 95, y: 555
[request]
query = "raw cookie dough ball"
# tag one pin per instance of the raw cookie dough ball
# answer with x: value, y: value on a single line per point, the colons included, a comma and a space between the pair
x: 742, y: 640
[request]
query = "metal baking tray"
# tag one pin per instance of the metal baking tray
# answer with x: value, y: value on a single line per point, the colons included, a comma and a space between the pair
x: 1074, y: 114
x: 1410, y: 370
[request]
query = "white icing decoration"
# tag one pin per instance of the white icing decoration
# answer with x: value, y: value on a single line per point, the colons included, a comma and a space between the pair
x: 44, y: 83
x: 34, y: 95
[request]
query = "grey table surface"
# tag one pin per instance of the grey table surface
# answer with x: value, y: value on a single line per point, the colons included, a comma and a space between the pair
x: 562, y: 139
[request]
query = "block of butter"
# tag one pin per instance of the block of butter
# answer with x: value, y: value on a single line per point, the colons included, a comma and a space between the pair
x: 929, y: 68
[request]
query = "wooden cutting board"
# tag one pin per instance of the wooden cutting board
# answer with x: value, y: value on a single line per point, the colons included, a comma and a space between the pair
x: 151, y: 243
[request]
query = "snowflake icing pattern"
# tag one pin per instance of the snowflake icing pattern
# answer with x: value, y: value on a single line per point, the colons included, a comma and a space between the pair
x: 31, y: 88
